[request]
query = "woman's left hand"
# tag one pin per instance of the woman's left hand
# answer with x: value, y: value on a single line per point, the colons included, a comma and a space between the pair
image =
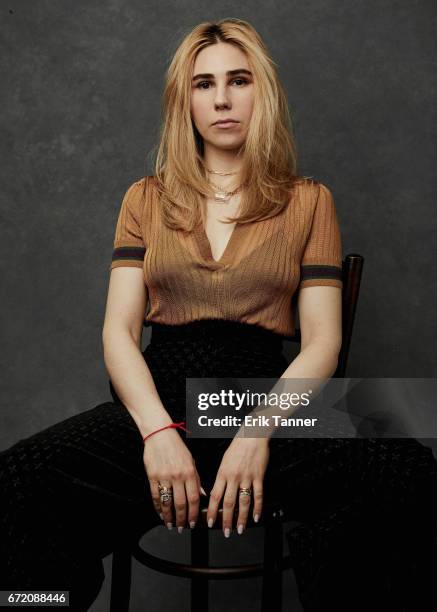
x: 243, y: 465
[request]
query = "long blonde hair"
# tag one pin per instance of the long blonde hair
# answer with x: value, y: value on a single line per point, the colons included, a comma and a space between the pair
x: 269, y: 158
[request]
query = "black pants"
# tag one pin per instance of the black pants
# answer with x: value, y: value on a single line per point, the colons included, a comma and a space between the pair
x: 70, y: 493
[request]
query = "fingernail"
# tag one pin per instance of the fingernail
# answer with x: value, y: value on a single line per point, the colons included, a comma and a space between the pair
x: 227, y: 532
x: 210, y: 522
x: 202, y: 490
x: 161, y: 516
x: 256, y: 518
x: 170, y: 525
x: 240, y: 529
x: 180, y: 528
x: 192, y: 524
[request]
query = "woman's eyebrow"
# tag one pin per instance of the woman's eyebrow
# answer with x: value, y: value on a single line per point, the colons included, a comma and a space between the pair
x: 228, y: 73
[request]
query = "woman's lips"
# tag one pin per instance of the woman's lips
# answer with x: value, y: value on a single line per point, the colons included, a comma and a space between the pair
x: 226, y: 125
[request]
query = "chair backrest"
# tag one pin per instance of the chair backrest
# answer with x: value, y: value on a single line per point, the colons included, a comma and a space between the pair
x: 352, y: 270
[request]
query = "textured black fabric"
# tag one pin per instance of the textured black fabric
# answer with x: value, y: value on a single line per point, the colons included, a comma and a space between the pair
x: 70, y: 493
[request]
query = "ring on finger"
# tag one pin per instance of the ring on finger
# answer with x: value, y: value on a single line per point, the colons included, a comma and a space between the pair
x: 166, y: 493
x: 245, y: 491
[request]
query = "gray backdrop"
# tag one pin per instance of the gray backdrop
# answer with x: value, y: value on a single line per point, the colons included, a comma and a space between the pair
x: 80, y: 110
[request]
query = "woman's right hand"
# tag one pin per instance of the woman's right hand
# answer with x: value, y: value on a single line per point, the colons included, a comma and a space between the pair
x: 169, y: 462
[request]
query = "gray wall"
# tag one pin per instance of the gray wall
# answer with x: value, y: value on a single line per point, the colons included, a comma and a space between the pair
x: 80, y: 109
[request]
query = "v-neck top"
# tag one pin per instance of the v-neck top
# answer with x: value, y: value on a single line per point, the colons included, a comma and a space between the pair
x: 260, y: 273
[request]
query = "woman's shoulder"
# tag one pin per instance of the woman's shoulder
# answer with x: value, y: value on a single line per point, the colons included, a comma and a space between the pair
x: 308, y: 190
x: 137, y: 194
x: 143, y: 182
x: 308, y: 184
x: 140, y: 188
x: 308, y: 195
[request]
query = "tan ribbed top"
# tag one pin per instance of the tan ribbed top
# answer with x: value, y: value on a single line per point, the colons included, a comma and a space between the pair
x: 256, y: 280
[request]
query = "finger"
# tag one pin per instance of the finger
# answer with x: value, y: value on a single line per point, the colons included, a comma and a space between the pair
x: 243, y: 507
x: 215, y: 497
x: 156, y: 498
x: 167, y: 506
x: 199, y: 484
x: 180, y: 503
x: 257, y: 499
x: 229, y: 506
x: 192, y: 490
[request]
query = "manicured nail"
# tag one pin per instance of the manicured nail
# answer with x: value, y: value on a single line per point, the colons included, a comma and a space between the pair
x: 180, y: 528
x: 210, y: 522
x: 256, y: 518
x: 202, y: 490
x: 192, y: 524
x: 170, y: 525
x: 240, y: 529
x: 227, y: 532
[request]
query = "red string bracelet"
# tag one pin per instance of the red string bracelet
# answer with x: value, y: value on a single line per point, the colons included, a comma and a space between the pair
x: 180, y: 425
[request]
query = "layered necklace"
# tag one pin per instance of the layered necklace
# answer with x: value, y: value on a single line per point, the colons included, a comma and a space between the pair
x: 221, y: 195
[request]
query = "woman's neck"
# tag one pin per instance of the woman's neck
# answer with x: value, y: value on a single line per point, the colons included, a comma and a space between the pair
x: 227, y: 163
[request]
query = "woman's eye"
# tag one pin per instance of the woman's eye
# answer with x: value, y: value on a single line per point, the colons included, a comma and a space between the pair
x: 200, y: 85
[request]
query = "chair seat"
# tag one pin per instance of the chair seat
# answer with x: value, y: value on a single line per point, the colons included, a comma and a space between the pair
x: 186, y: 570
x: 272, y: 514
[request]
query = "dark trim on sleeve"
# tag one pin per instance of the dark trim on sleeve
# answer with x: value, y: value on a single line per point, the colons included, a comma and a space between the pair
x: 128, y: 252
x: 309, y: 272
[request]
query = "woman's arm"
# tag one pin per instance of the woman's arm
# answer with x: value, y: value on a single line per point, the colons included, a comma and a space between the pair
x: 245, y: 460
x: 166, y: 456
x: 121, y: 336
x: 320, y: 315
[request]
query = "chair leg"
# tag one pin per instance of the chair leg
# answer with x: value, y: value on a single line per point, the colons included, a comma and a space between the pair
x: 272, y: 575
x: 121, y: 580
x: 199, y: 556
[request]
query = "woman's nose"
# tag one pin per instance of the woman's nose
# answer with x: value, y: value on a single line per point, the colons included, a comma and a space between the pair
x: 221, y: 97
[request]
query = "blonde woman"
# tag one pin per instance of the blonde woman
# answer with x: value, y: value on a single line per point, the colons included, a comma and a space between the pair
x: 212, y: 251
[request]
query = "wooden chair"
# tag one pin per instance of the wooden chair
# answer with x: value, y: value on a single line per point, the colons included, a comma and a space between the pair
x: 272, y: 516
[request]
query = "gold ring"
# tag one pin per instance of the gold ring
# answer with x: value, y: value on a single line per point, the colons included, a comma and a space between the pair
x: 245, y: 491
x: 165, y: 493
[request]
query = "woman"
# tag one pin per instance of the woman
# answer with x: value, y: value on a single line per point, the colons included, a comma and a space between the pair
x: 220, y: 243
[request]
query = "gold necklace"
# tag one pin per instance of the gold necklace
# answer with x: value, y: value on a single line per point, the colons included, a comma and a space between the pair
x: 224, y: 196
x: 220, y: 173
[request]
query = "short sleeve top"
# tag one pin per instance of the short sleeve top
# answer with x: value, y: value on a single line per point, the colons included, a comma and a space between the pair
x: 264, y: 266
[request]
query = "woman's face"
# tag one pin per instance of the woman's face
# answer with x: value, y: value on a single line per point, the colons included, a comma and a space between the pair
x: 217, y: 95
